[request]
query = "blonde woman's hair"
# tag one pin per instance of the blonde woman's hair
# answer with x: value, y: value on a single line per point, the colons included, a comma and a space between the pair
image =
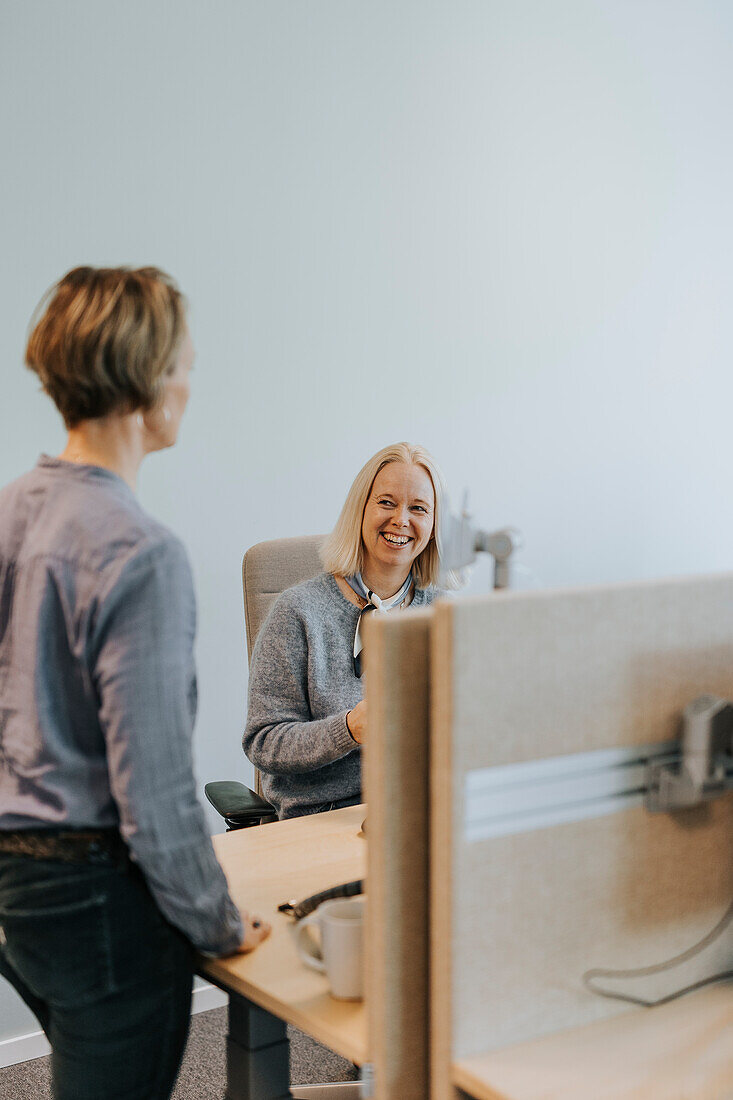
x: 103, y: 338
x: 343, y: 551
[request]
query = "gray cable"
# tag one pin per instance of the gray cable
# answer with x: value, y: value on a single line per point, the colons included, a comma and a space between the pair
x: 643, y: 971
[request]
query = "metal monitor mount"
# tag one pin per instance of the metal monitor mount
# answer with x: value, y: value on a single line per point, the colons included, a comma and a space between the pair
x: 461, y: 542
x: 704, y: 767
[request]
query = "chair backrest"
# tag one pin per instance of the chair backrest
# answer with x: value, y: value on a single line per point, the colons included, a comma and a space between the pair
x: 268, y: 568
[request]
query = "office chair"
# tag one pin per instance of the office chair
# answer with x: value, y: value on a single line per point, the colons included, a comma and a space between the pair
x: 267, y: 570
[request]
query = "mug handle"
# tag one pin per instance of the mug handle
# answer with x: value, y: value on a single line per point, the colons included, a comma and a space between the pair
x: 307, y: 954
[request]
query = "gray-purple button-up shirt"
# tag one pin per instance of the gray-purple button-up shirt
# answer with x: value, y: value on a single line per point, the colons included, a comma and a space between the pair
x: 98, y: 686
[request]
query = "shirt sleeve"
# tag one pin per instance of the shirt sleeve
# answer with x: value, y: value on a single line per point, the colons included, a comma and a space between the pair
x: 145, y: 680
x: 281, y: 738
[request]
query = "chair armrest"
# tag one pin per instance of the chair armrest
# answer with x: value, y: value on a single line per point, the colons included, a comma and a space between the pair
x: 238, y: 805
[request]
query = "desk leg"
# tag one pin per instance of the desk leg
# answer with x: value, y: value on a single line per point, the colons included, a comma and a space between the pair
x: 258, y: 1064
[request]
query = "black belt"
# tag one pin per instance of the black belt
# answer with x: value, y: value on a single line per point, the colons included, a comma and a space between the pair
x: 69, y: 846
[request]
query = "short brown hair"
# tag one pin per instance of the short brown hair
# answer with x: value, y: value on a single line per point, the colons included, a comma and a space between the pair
x: 104, y: 339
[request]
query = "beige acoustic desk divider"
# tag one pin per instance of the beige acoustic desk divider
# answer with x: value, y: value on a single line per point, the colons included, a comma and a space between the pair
x: 544, y: 861
x: 396, y: 777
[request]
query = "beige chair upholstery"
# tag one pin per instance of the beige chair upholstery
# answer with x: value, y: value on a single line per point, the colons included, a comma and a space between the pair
x: 268, y: 568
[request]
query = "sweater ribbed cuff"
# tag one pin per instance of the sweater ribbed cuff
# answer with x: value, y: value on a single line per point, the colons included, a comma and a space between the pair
x: 341, y: 735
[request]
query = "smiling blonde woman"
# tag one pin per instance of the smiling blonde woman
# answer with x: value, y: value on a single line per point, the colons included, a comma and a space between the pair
x: 307, y: 718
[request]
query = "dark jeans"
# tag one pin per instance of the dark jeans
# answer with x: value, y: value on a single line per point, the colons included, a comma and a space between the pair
x: 108, y: 978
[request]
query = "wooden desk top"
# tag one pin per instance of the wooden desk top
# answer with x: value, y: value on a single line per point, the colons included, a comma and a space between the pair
x: 679, y: 1051
x: 265, y: 866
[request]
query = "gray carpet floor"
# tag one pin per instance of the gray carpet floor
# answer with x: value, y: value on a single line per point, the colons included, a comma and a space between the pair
x: 203, y: 1072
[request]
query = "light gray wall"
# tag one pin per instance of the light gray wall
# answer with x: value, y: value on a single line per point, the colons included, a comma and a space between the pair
x: 499, y: 228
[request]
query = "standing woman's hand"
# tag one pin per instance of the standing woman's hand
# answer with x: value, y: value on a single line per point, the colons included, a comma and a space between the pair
x: 356, y: 721
x: 255, y: 931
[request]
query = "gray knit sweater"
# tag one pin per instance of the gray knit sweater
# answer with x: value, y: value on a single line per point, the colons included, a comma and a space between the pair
x: 301, y: 686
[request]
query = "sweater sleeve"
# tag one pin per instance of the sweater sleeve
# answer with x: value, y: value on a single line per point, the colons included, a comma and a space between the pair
x: 281, y: 738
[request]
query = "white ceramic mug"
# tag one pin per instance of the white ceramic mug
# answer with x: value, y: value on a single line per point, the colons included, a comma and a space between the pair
x: 341, y: 955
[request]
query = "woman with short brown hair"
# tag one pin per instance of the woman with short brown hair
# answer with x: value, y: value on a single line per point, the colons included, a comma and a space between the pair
x: 108, y: 879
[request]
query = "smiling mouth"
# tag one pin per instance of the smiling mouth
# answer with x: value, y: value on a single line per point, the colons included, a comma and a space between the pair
x: 395, y: 540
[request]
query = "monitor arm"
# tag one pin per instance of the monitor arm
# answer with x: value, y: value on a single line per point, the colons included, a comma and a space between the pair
x: 461, y: 542
x: 704, y: 767
x: 501, y: 545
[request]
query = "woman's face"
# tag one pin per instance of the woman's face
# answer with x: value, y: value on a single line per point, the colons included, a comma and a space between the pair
x: 399, y: 516
x: 162, y: 422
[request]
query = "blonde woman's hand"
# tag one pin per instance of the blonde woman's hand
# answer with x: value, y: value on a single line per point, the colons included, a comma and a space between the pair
x: 356, y: 721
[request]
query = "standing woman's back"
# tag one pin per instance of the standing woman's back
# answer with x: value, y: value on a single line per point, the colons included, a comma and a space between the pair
x: 108, y: 880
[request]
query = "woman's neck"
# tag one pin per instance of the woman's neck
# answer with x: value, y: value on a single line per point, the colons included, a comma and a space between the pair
x: 382, y: 579
x: 113, y: 442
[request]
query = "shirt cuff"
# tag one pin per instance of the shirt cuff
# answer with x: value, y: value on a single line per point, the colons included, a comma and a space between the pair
x: 229, y: 944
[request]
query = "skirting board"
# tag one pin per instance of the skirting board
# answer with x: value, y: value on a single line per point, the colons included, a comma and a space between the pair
x: 35, y: 1045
